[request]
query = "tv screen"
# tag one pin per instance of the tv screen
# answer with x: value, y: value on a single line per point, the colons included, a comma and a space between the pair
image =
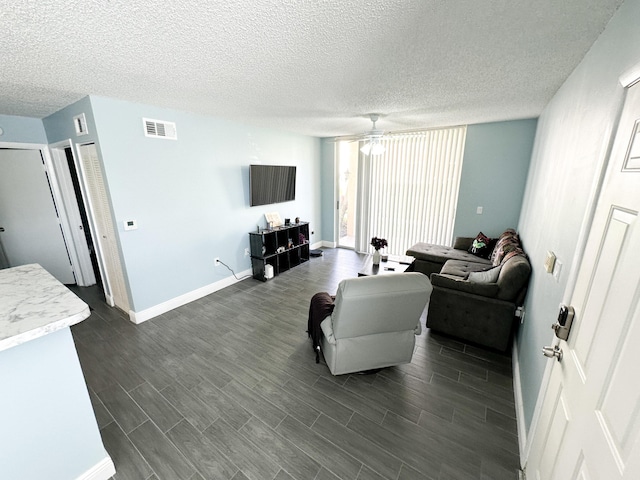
x: 271, y: 184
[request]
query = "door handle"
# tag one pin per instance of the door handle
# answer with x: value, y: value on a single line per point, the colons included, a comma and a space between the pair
x: 551, y: 352
x: 1, y: 229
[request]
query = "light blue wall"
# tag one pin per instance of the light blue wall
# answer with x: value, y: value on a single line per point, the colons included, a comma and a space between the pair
x: 48, y: 426
x: 59, y: 126
x: 573, y: 134
x: 190, y: 197
x: 494, y: 174
x: 22, y: 130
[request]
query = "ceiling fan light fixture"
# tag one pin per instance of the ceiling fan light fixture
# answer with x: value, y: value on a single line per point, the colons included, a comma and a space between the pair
x: 373, y: 147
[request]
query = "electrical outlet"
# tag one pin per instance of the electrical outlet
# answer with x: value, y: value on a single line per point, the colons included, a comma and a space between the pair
x: 216, y: 261
x: 246, y: 252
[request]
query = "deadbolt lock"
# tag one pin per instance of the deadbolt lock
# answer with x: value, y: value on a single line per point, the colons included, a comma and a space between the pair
x: 565, y: 320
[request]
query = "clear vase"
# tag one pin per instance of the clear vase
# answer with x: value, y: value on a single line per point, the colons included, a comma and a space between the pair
x: 376, y: 257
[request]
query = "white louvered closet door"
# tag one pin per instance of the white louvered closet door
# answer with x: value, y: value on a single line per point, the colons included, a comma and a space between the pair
x: 105, y: 234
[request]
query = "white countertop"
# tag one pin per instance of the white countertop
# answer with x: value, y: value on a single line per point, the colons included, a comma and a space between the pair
x: 33, y: 304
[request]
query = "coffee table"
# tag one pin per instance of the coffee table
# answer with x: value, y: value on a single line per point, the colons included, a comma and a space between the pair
x: 395, y: 264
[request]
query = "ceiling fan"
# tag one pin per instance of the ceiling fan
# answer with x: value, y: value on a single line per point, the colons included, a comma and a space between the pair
x: 372, y: 139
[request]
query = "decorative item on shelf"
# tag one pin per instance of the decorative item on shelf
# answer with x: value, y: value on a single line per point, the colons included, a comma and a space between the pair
x: 273, y: 219
x: 289, y: 243
x: 287, y: 222
x: 302, y: 239
x: 377, y: 243
x: 297, y: 220
x: 280, y: 250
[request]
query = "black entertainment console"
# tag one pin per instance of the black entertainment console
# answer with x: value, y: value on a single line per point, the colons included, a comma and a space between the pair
x: 282, y: 247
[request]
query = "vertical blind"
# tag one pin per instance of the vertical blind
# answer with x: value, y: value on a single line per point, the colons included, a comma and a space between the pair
x: 409, y: 193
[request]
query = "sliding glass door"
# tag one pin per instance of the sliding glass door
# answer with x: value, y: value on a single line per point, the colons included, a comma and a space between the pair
x: 407, y: 194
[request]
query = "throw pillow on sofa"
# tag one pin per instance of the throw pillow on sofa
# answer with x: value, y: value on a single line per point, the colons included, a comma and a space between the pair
x: 507, y: 242
x: 480, y: 246
x: 486, y: 276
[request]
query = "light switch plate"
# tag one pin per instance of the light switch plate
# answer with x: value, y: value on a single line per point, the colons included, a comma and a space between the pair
x: 557, y: 270
x: 549, y: 262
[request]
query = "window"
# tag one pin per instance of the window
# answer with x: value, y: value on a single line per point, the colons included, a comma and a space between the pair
x: 409, y: 193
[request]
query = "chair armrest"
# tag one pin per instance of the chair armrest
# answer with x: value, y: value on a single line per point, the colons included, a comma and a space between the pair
x: 463, y: 243
x: 418, y: 329
x: 488, y: 290
x: 327, y: 330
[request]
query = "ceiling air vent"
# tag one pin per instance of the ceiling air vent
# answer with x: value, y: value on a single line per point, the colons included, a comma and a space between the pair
x: 159, y: 129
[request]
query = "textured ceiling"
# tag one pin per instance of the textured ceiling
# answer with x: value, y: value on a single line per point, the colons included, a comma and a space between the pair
x: 308, y: 66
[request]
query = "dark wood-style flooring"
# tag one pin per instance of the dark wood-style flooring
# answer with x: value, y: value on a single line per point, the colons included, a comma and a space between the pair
x: 227, y: 387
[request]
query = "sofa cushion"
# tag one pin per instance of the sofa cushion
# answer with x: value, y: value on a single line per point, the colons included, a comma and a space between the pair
x: 480, y: 246
x: 460, y: 285
x: 462, y: 268
x: 485, y: 276
x: 441, y: 253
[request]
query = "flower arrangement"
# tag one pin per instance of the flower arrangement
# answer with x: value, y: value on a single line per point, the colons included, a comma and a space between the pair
x: 378, y: 243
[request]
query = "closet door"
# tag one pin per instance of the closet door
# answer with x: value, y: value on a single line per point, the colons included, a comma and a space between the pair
x: 104, y: 232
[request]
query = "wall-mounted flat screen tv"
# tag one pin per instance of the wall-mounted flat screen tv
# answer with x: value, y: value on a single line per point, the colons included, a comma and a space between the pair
x: 271, y: 184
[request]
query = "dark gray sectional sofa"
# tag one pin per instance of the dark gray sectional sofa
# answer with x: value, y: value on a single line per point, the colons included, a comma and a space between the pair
x: 475, y: 296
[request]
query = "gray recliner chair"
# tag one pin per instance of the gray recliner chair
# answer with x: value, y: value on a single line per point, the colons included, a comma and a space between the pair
x: 374, y: 322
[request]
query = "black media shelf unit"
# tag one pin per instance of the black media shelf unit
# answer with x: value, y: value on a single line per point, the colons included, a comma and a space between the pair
x: 292, y: 241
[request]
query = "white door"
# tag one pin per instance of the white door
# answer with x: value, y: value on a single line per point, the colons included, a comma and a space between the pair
x: 32, y: 232
x: 105, y: 232
x: 589, y: 426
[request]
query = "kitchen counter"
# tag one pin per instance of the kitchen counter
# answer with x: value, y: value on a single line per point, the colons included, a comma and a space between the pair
x: 33, y: 304
x: 49, y: 429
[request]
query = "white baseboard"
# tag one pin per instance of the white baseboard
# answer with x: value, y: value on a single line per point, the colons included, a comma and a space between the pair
x: 103, y: 470
x: 156, y: 310
x: 327, y: 244
x: 517, y: 392
x: 109, y: 300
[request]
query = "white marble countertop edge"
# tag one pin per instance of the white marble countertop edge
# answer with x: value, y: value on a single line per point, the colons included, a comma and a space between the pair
x: 38, y: 332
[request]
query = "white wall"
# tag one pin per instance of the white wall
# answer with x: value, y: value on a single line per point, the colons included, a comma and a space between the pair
x: 570, y: 149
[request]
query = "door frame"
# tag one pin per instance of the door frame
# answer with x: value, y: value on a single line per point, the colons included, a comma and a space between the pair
x: 56, y: 196
x: 83, y: 275
x: 626, y: 80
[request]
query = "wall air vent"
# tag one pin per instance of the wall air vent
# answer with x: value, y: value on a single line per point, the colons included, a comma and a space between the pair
x: 159, y: 129
x: 80, y: 122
